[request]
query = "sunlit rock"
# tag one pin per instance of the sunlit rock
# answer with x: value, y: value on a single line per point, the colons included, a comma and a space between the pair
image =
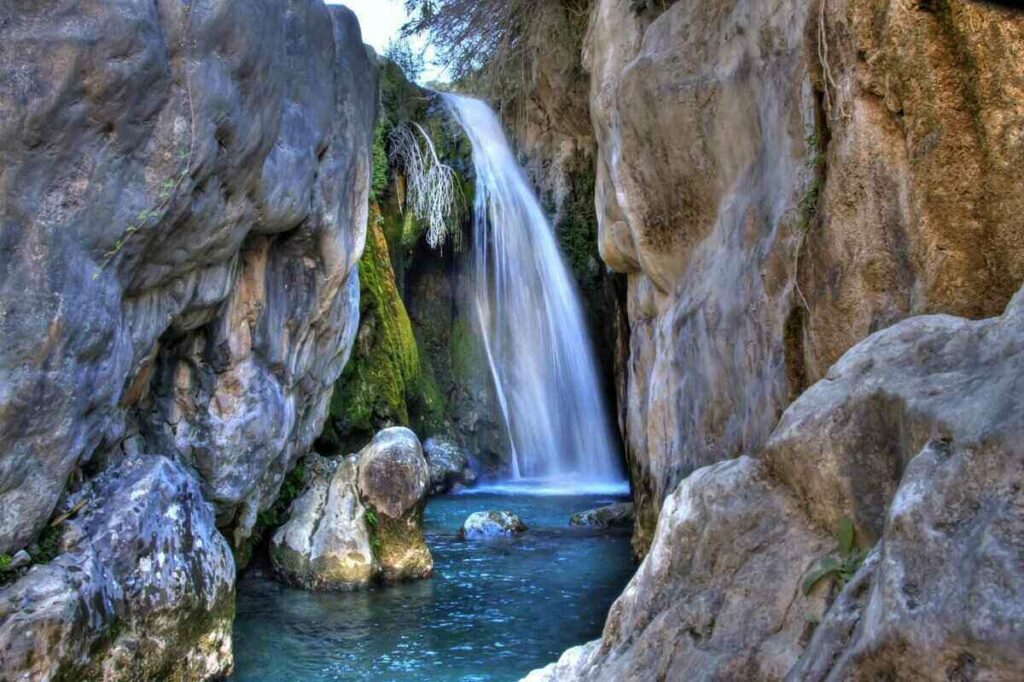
x: 326, y: 544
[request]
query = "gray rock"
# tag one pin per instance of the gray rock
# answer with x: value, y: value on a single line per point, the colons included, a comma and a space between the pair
x: 718, y: 596
x: 360, y: 520
x: 916, y: 435
x: 448, y: 464
x: 326, y: 543
x: 21, y: 559
x: 183, y: 205
x: 843, y: 448
x: 612, y: 516
x: 146, y: 591
x: 393, y: 482
x: 491, y: 524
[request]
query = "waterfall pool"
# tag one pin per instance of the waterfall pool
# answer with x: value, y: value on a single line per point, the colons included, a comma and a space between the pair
x: 493, y: 610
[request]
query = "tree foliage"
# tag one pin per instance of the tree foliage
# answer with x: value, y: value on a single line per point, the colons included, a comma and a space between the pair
x: 498, y: 40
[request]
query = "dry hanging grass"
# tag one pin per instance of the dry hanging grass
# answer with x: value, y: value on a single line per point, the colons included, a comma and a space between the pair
x: 434, y: 194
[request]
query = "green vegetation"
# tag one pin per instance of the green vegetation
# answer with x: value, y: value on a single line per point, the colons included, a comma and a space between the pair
x: 816, y: 165
x: 292, y: 486
x: 843, y: 565
x: 386, y: 382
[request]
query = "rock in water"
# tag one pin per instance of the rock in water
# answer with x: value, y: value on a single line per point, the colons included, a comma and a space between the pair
x: 143, y: 589
x: 490, y: 524
x: 448, y: 464
x: 326, y: 543
x: 393, y: 481
x: 613, y: 516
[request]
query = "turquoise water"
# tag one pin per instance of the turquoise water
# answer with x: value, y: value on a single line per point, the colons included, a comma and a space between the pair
x: 493, y: 611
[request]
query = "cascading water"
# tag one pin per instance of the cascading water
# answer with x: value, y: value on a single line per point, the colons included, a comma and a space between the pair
x: 530, y: 316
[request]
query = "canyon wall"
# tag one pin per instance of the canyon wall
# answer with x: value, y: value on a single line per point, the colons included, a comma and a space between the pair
x: 818, y: 208
x: 781, y: 181
x: 183, y: 202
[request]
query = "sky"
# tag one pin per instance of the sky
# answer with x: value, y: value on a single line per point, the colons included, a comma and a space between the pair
x: 382, y: 20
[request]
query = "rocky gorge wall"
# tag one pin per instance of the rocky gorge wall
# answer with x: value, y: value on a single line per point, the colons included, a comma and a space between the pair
x: 183, y: 204
x: 788, y: 187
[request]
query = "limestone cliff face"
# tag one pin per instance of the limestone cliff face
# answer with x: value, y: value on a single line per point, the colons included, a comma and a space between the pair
x: 793, y: 187
x: 781, y: 180
x: 182, y: 206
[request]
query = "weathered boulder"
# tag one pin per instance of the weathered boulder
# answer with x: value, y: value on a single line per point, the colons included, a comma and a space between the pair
x: 490, y: 524
x: 393, y: 482
x: 719, y: 595
x: 843, y: 448
x: 612, y: 516
x: 143, y: 587
x: 448, y: 465
x: 183, y: 206
x: 326, y: 543
x: 945, y: 598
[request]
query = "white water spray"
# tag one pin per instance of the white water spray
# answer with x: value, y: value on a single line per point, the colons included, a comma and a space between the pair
x: 530, y: 316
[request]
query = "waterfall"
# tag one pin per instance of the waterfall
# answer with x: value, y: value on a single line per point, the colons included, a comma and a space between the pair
x: 529, y: 313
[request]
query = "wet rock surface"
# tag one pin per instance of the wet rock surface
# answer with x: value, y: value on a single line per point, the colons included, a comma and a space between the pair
x: 448, y: 464
x: 491, y: 524
x: 618, y: 515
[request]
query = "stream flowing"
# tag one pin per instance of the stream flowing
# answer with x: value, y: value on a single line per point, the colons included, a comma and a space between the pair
x: 493, y: 610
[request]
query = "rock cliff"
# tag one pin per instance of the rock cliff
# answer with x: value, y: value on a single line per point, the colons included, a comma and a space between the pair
x: 182, y: 206
x: 816, y: 207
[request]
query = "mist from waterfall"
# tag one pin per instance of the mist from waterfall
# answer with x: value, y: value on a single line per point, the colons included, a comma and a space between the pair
x: 529, y: 313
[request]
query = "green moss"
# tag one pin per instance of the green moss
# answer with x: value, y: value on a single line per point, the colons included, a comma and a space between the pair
x: 386, y: 382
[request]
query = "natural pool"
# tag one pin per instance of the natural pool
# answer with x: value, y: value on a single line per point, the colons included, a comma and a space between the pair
x: 494, y: 610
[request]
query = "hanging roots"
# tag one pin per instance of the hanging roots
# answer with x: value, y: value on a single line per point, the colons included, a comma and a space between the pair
x: 434, y: 194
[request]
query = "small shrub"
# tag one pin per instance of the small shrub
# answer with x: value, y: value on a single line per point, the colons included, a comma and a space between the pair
x: 843, y: 565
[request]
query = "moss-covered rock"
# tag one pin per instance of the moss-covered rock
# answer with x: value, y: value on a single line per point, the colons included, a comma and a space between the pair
x: 393, y: 482
x: 386, y: 382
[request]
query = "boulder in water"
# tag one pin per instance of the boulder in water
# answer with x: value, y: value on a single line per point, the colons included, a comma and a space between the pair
x: 359, y: 520
x: 490, y: 524
x: 448, y: 465
x: 393, y: 481
x: 326, y: 543
x: 619, y: 515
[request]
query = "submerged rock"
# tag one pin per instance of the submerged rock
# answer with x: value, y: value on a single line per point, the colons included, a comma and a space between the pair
x: 326, y: 543
x: 491, y: 524
x: 143, y: 587
x: 393, y: 482
x: 613, y: 516
x: 448, y: 464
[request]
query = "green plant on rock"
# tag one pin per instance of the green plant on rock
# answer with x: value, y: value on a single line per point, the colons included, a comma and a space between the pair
x: 842, y: 565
